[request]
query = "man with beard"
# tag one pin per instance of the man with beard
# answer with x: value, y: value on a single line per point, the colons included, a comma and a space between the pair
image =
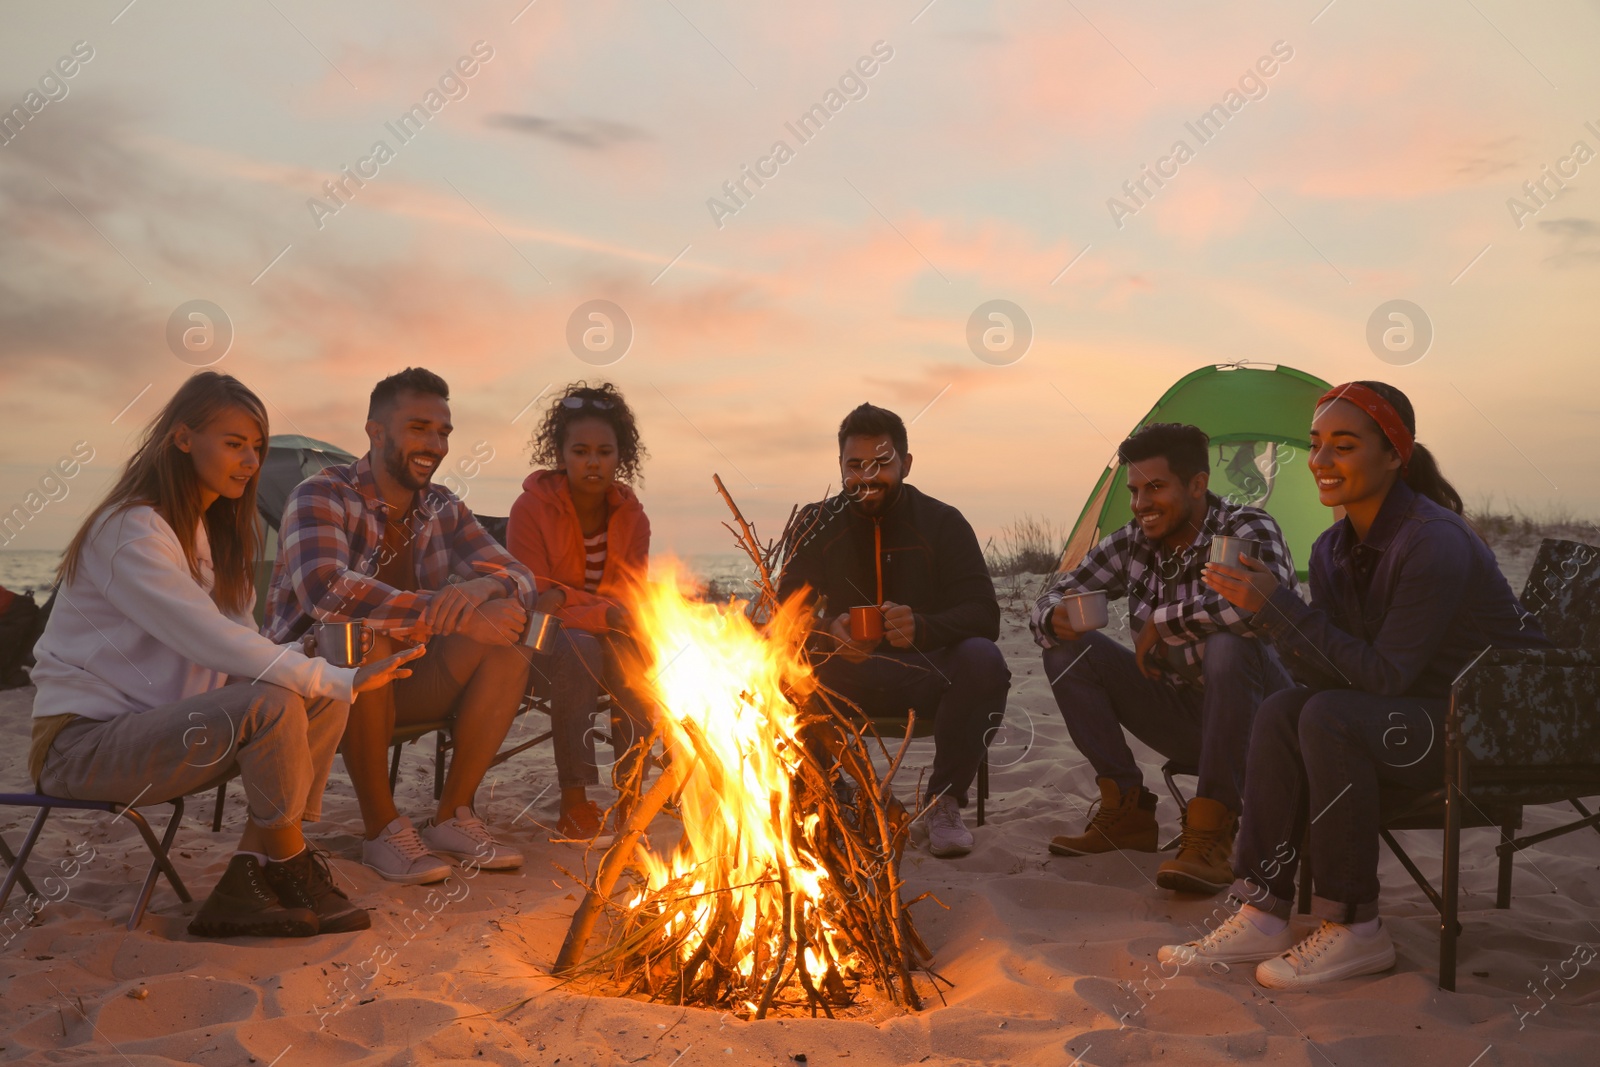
x: 377, y: 541
x: 881, y: 542
x: 1198, y: 669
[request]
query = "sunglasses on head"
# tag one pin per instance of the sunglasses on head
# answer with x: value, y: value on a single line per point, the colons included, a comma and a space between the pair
x: 576, y: 402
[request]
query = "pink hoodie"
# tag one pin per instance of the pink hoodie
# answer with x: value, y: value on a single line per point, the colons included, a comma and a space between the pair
x: 544, y: 533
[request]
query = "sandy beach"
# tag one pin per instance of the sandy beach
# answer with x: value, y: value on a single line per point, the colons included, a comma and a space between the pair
x: 1052, y: 959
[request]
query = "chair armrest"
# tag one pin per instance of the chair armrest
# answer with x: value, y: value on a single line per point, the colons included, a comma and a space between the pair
x: 1527, y: 708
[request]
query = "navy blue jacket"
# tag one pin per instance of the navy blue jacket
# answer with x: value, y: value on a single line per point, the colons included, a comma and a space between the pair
x: 1434, y: 599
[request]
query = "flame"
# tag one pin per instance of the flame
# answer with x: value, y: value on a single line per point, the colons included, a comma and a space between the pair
x: 727, y: 693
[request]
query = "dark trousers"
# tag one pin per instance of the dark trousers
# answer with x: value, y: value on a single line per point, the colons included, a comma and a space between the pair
x: 573, y: 676
x: 1319, y: 756
x: 1101, y: 693
x: 963, y: 686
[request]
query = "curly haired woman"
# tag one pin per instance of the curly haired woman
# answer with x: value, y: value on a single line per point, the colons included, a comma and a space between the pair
x: 582, y: 531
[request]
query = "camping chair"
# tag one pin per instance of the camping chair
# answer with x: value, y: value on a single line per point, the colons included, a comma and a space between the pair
x: 1523, y: 726
x: 1170, y: 770
x: 1521, y: 730
x: 159, y: 847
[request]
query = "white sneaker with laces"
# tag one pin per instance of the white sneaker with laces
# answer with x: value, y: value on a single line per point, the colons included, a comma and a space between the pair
x: 399, y: 854
x: 465, y: 838
x: 1331, y: 952
x: 1238, y: 940
x: 948, y: 836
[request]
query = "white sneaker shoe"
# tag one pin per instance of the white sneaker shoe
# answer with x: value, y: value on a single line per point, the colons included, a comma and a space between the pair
x: 399, y: 854
x: 465, y: 838
x: 1236, y: 941
x: 948, y: 836
x: 1329, y: 954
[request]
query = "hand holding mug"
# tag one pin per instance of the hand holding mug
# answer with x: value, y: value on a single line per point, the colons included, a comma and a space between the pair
x: 851, y: 649
x: 496, y: 622
x: 1060, y: 627
x: 1078, y: 613
x: 899, y: 624
x: 1247, y: 587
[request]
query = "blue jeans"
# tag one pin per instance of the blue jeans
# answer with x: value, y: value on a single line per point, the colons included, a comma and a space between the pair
x: 573, y: 675
x: 963, y: 686
x: 1101, y: 693
x: 1320, y: 756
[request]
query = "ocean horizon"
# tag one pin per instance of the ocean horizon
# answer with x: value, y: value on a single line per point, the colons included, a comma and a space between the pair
x: 32, y: 570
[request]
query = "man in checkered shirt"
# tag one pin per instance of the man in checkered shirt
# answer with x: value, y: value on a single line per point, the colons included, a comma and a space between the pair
x: 1191, y: 686
x: 377, y: 541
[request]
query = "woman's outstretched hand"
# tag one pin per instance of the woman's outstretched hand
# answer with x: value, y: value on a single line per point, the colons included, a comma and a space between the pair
x: 380, y: 673
x: 1247, y: 587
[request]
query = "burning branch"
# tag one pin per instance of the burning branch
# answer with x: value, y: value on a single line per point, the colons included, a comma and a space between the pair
x: 784, y: 892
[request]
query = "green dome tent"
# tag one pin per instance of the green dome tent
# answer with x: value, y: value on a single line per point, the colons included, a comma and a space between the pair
x: 1257, y: 417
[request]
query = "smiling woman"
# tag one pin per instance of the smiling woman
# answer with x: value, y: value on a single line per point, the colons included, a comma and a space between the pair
x: 1404, y: 595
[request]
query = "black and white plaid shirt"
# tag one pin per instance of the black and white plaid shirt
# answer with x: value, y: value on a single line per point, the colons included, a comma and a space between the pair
x: 1167, y: 591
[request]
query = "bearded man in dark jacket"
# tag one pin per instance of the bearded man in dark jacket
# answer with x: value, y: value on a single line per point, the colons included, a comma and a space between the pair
x: 882, y: 542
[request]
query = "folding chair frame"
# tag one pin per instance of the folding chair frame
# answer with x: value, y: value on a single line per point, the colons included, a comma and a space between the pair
x: 159, y: 848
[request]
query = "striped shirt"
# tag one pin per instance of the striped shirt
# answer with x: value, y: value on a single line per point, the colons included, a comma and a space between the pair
x: 1168, y: 591
x: 594, y: 561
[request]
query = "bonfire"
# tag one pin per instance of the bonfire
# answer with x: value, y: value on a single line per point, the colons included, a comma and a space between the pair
x: 784, y: 889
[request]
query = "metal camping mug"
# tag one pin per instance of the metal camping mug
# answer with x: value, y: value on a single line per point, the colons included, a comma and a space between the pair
x: 1227, y: 550
x: 1086, y: 611
x: 343, y: 644
x: 866, y: 623
x: 541, y: 632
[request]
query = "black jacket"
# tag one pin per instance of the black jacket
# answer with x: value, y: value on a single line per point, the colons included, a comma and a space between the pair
x: 931, y: 563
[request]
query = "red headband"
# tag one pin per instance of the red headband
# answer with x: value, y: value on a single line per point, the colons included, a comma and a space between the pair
x: 1382, y: 412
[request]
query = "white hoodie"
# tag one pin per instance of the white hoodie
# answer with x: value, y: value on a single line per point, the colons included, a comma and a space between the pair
x: 134, y: 631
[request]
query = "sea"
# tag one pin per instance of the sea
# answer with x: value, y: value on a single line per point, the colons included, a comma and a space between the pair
x: 30, y: 570
x: 719, y: 574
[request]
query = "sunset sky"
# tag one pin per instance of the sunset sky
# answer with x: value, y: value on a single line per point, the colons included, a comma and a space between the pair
x: 1383, y: 157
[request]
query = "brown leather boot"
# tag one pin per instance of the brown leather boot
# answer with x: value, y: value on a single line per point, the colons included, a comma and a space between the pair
x: 1123, y: 822
x: 1203, y: 863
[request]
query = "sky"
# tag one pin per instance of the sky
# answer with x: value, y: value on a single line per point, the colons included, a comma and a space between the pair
x: 1335, y: 157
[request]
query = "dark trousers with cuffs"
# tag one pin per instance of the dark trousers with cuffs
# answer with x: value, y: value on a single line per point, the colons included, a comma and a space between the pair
x: 1101, y: 694
x: 963, y: 686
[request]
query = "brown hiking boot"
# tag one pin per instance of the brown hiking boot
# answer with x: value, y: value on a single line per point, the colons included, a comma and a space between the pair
x: 243, y: 904
x: 1123, y: 822
x: 306, y: 881
x: 1202, y: 864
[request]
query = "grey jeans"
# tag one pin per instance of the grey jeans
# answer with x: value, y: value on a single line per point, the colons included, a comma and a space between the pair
x: 281, y: 742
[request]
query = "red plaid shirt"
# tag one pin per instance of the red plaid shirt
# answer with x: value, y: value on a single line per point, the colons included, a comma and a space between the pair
x: 331, y: 542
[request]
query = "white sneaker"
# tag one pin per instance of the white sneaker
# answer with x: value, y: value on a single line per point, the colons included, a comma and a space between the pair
x: 465, y: 838
x: 399, y: 854
x: 1238, y: 940
x: 947, y: 835
x: 1331, y: 953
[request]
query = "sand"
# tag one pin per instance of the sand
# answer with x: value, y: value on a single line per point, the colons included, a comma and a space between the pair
x: 1053, y: 959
